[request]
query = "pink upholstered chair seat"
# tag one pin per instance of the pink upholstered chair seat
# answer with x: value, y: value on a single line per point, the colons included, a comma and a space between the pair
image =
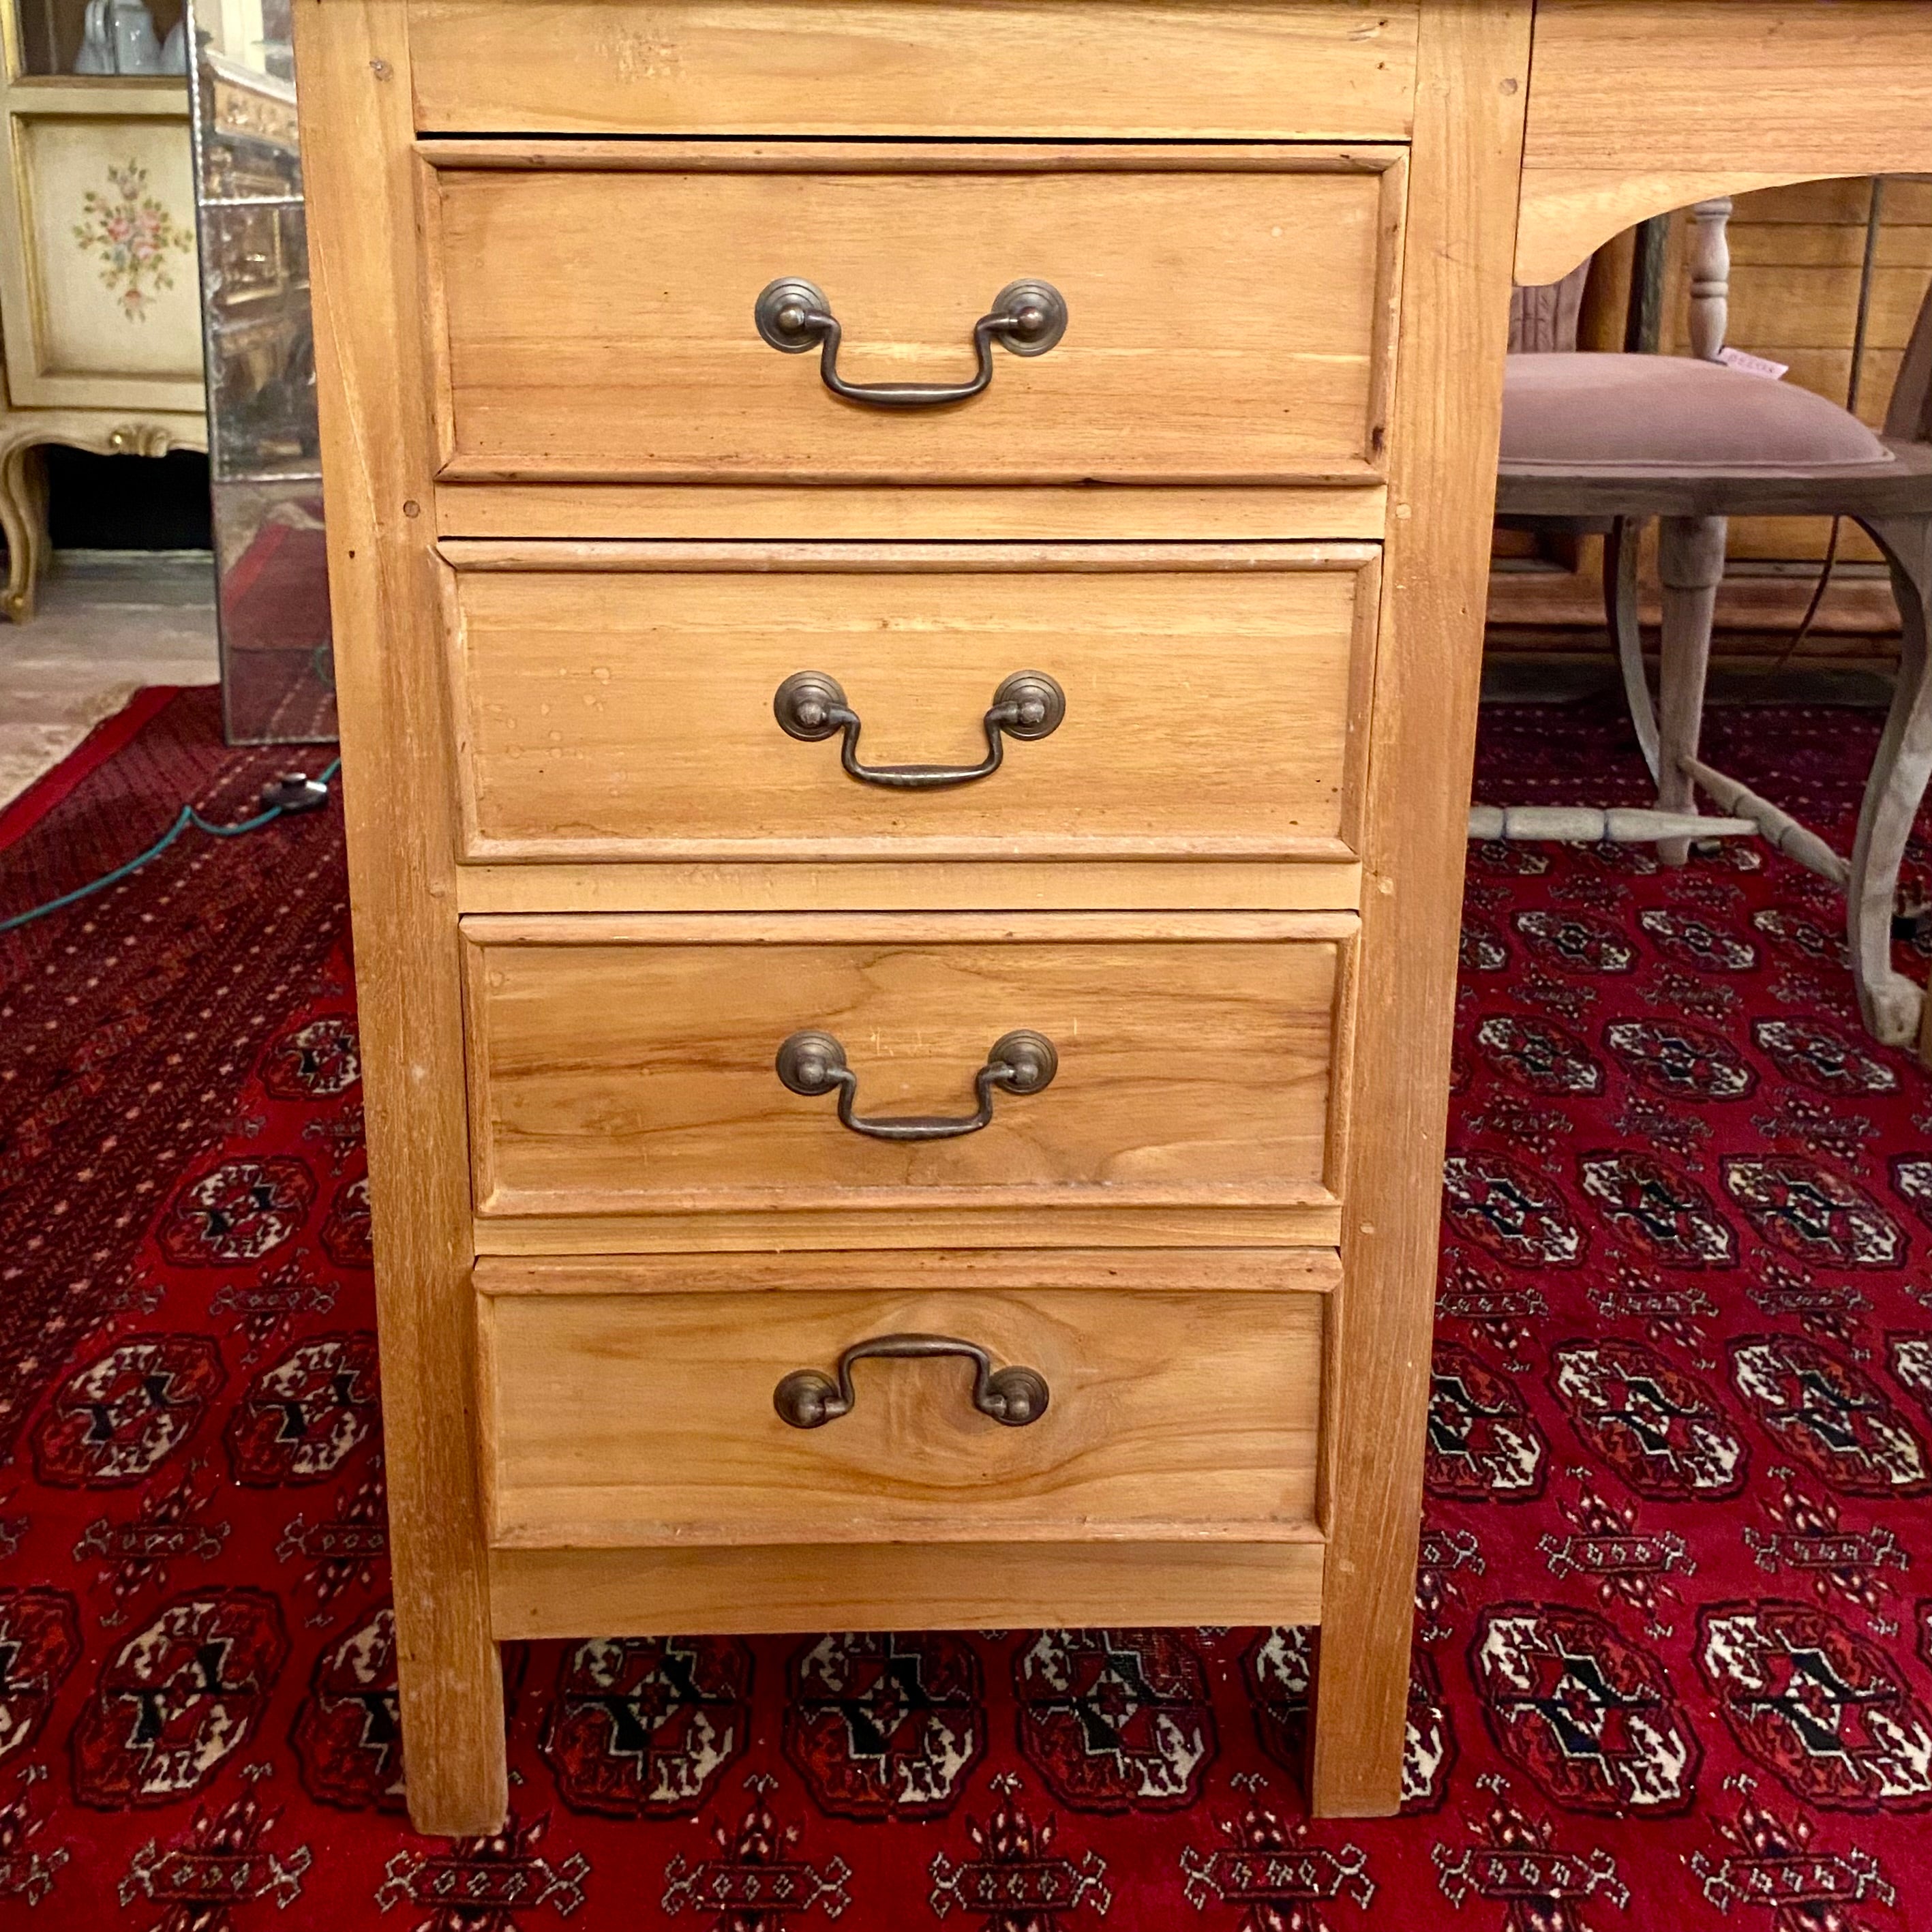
x: 1671, y: 415
x: 1604, y: 444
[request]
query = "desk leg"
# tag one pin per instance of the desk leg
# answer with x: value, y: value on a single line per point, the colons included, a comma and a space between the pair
x: 1472, y: 89
x: 379, y: 451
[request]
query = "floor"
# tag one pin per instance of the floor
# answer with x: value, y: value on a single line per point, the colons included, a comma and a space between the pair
x: 1674, y: 1665
x: 109, y: 622
x: 1551, y: 677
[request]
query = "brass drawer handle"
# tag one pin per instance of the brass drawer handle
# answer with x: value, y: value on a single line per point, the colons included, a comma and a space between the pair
x: 812, y: 1064
x: 1027, y: 318
x: 1028, y: 705
x: 808, y: 1399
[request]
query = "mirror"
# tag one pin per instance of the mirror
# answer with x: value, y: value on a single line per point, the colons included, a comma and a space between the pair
x: 277, y: 670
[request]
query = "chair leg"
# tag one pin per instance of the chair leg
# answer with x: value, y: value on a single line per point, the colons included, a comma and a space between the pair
x: 1892, y: 1006
x: 1621, y: 548
x: 1690, y: 561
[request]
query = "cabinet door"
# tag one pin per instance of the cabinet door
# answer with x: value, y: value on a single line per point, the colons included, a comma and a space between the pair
x: 99, y: 291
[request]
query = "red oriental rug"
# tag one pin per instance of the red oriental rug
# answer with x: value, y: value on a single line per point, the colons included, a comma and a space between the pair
x: 1674, y: 1660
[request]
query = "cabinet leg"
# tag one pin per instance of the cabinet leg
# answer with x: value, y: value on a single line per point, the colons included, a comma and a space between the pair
x: 1355, y: 1741
x: 1360, y: 1697
x: 448, y: 1673
x: 1472, y: 68
x: 452, y: 1716
x: 23, y: 521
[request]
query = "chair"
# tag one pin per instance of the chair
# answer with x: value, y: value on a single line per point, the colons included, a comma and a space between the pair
x: 1602, y: 442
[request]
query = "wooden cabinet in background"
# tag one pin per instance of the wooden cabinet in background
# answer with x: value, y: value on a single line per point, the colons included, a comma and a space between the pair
x: 100, y: 294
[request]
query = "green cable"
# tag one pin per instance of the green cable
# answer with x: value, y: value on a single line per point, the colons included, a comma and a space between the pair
x: 189, y: 816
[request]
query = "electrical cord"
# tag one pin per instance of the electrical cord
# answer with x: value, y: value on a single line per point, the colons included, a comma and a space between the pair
x: 281, y: 798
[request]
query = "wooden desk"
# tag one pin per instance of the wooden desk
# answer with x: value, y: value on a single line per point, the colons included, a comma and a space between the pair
x: 607, y: 862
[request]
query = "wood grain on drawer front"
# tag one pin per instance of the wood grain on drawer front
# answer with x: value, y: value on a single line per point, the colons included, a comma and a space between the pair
x: 626, y: 1064
x: 888, y: 1586
x: 1227, y: 311
x: 1289, y: 70
x: 615, y: 702
x: 610, y: 1420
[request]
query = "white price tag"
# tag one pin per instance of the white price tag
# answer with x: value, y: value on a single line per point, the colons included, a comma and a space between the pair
x: 1752, y: 365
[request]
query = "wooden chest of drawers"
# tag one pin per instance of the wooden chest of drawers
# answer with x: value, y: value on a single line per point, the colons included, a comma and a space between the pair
x: 908, y: 579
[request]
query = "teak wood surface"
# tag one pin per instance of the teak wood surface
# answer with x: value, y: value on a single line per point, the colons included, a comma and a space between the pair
x: 1226, y: 312
x: 1125, y: 69
x: 614, y: 1421
x: 554, y: 1593
x: 1210, y: 697
x: 1642, y: 107
x: 1474, y: 68
x: 628, y: 1065
x: 1148, y: 884
x: 1286, y: 230
x: 374, y: 389
x: 1066, y: 513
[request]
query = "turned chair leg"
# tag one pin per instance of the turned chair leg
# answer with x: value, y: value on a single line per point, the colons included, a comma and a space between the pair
x: 1691, y: 561
x: 1892, y: 1006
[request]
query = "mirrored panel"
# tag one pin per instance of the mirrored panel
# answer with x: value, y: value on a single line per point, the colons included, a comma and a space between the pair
x: 277, y: 670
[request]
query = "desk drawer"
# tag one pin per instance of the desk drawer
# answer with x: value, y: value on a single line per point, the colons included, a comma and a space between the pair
x: 631, y: 1064
x: 619, y: 1410
x: 1226, y: 312
x: 619, y: 704
x: 1292, y: 69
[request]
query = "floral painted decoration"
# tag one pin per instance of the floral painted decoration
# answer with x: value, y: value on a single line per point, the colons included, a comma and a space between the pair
x: 133, y: 234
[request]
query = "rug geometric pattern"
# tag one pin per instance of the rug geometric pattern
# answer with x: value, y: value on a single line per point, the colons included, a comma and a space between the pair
x: 1674, y: 1656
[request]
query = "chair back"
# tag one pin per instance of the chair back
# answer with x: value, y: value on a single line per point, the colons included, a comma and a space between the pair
x: 1908, y: 416
x: 1547, y: 316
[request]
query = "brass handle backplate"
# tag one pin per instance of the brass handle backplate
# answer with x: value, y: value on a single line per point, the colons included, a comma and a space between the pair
x: 1027, y: 319
x: 810, y: 706
x: 808, y: 1398
x: 812, y: 1064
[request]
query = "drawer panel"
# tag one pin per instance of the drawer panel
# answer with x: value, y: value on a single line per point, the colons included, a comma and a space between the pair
x: 1291, y: 69
x: 628, y: 1064
x: 1226, y: 312
x: 620, y: 705
x: 613, y: 1419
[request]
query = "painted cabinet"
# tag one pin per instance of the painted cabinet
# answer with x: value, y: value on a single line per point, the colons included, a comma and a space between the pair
x: 100, y: 308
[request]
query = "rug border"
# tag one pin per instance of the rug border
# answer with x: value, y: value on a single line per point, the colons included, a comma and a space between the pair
x: 113, y: 733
